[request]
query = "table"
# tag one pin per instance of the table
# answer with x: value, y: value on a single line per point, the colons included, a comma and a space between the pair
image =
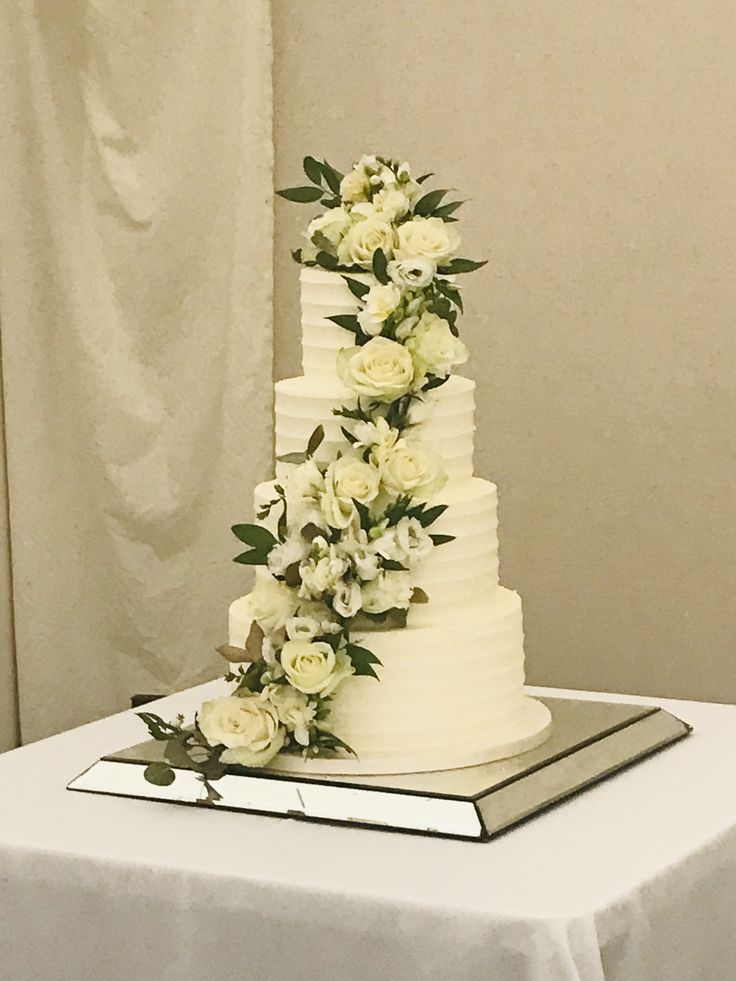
x: 634, y: 880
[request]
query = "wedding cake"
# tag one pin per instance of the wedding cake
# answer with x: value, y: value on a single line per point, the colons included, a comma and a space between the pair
x: 376, y: 637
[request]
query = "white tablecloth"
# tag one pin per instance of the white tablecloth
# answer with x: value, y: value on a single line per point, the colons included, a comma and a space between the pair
x: 634, y: 880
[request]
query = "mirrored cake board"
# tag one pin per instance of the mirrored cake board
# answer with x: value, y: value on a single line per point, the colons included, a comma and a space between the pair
x: 590, y: 741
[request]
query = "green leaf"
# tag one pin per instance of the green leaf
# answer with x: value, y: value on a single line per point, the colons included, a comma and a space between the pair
x: 254, y: 535
x: 364, y: 515
x: 315, y: 440
x: 302, y: 195
x: 157, y: 727
x: 362, y: 659
x: 331, y: 202
x: 348, y: 321
x: 159, y: 774
x: 391, y: 565
x: 332, y: 177
x: 281, y: 527
x: 254, y: 557
x: 291, y: 575
x: 424, y: 177
x: 430, y: 515
x: 313, y: 170
x: 176, y: 753
x: 380, y: 266
x: 327, y: 261
x: 297, y: 458
x: 442, y: 539
x: 462, y: 266
x: 418, y: 596
x: 310, y: 531
x: 434, y: 381
x: 296, y: 255
x: 357, y: 288
x: 428, y: 202
x: 447, y: 209
x: 348, y: 435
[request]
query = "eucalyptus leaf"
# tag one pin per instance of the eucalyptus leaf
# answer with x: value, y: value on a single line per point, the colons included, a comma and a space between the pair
x: 159, y: 774
x: 302, y: 195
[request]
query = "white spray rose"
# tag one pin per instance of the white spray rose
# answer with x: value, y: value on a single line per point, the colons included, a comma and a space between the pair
x: 364, y: 238
x: 248, y: 725
x: 435, y: 348
x: 355, y: 186
x: 332, y: 225
x: 380, y: 303
x: 314, y: 668
x: 388, y: 591
x: 347, y: 599
x: 352, y: 478
x: 413, y: 469
x: 415, y: 273
x: 271, y: 604
x: 294, y: 709
x: 381, y: 369
x: 391, y: 202
x: 429, y: 237
x: 285, y: 554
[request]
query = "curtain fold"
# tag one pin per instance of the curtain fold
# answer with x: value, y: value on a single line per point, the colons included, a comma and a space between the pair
x: 135, y: 296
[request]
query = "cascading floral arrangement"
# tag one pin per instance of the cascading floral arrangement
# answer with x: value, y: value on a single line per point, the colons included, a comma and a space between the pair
x: 339, y: 543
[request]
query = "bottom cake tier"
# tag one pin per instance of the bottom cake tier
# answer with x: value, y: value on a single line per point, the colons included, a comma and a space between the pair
x: 448, y: 696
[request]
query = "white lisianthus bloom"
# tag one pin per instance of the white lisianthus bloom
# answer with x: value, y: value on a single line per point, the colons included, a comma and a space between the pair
x: 320, y: 574
x: 414, y: 542
x: 404, y: 329
x: 347, y: 599
x: 355, y: 185
x: 303, y: 487
x: 364, y: 238
x: 434, y: 347
x: 388, y: 591
x: 285, y: 554
x: 361, y: 554
x: 391, y: 202
x: 294, y: 709
x: 354, y: 479
x: 248, y: 725
x: 380, y: 369
x: 416, y: 272
x: 314, y: 668
x: 333, y: 225
x: 302, y: 628
x: 321, y: 613
x: 272, y: 603
x: 413, y: 469
x: 429, y: 237
x: 380, y: 303
x: 377, y: 436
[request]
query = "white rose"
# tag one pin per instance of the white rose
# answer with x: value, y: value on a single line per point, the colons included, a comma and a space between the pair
x: 430, y: 237
x: 364, y: 238
x: 332, y: 225
x: 247, y: 725
x: 416, y: 272
x: 337, y: 510
x: 272, y: 603
x: 347, y: 599
x: 294, y: 709
x: 391, y: 202
x: 381, y: 369
x: 352, y: 478
x: 388, y: 591
x: 355, y: 185
x: 415, y: 470
x: 314, y: 668
x: 380, y: 303
x: 302, y: 628
x: 285, y: 554
x: 435, y: 348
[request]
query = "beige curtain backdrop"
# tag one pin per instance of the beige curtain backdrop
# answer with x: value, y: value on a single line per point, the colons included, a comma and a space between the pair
x: 597, y: 143
x: 135, y: 304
